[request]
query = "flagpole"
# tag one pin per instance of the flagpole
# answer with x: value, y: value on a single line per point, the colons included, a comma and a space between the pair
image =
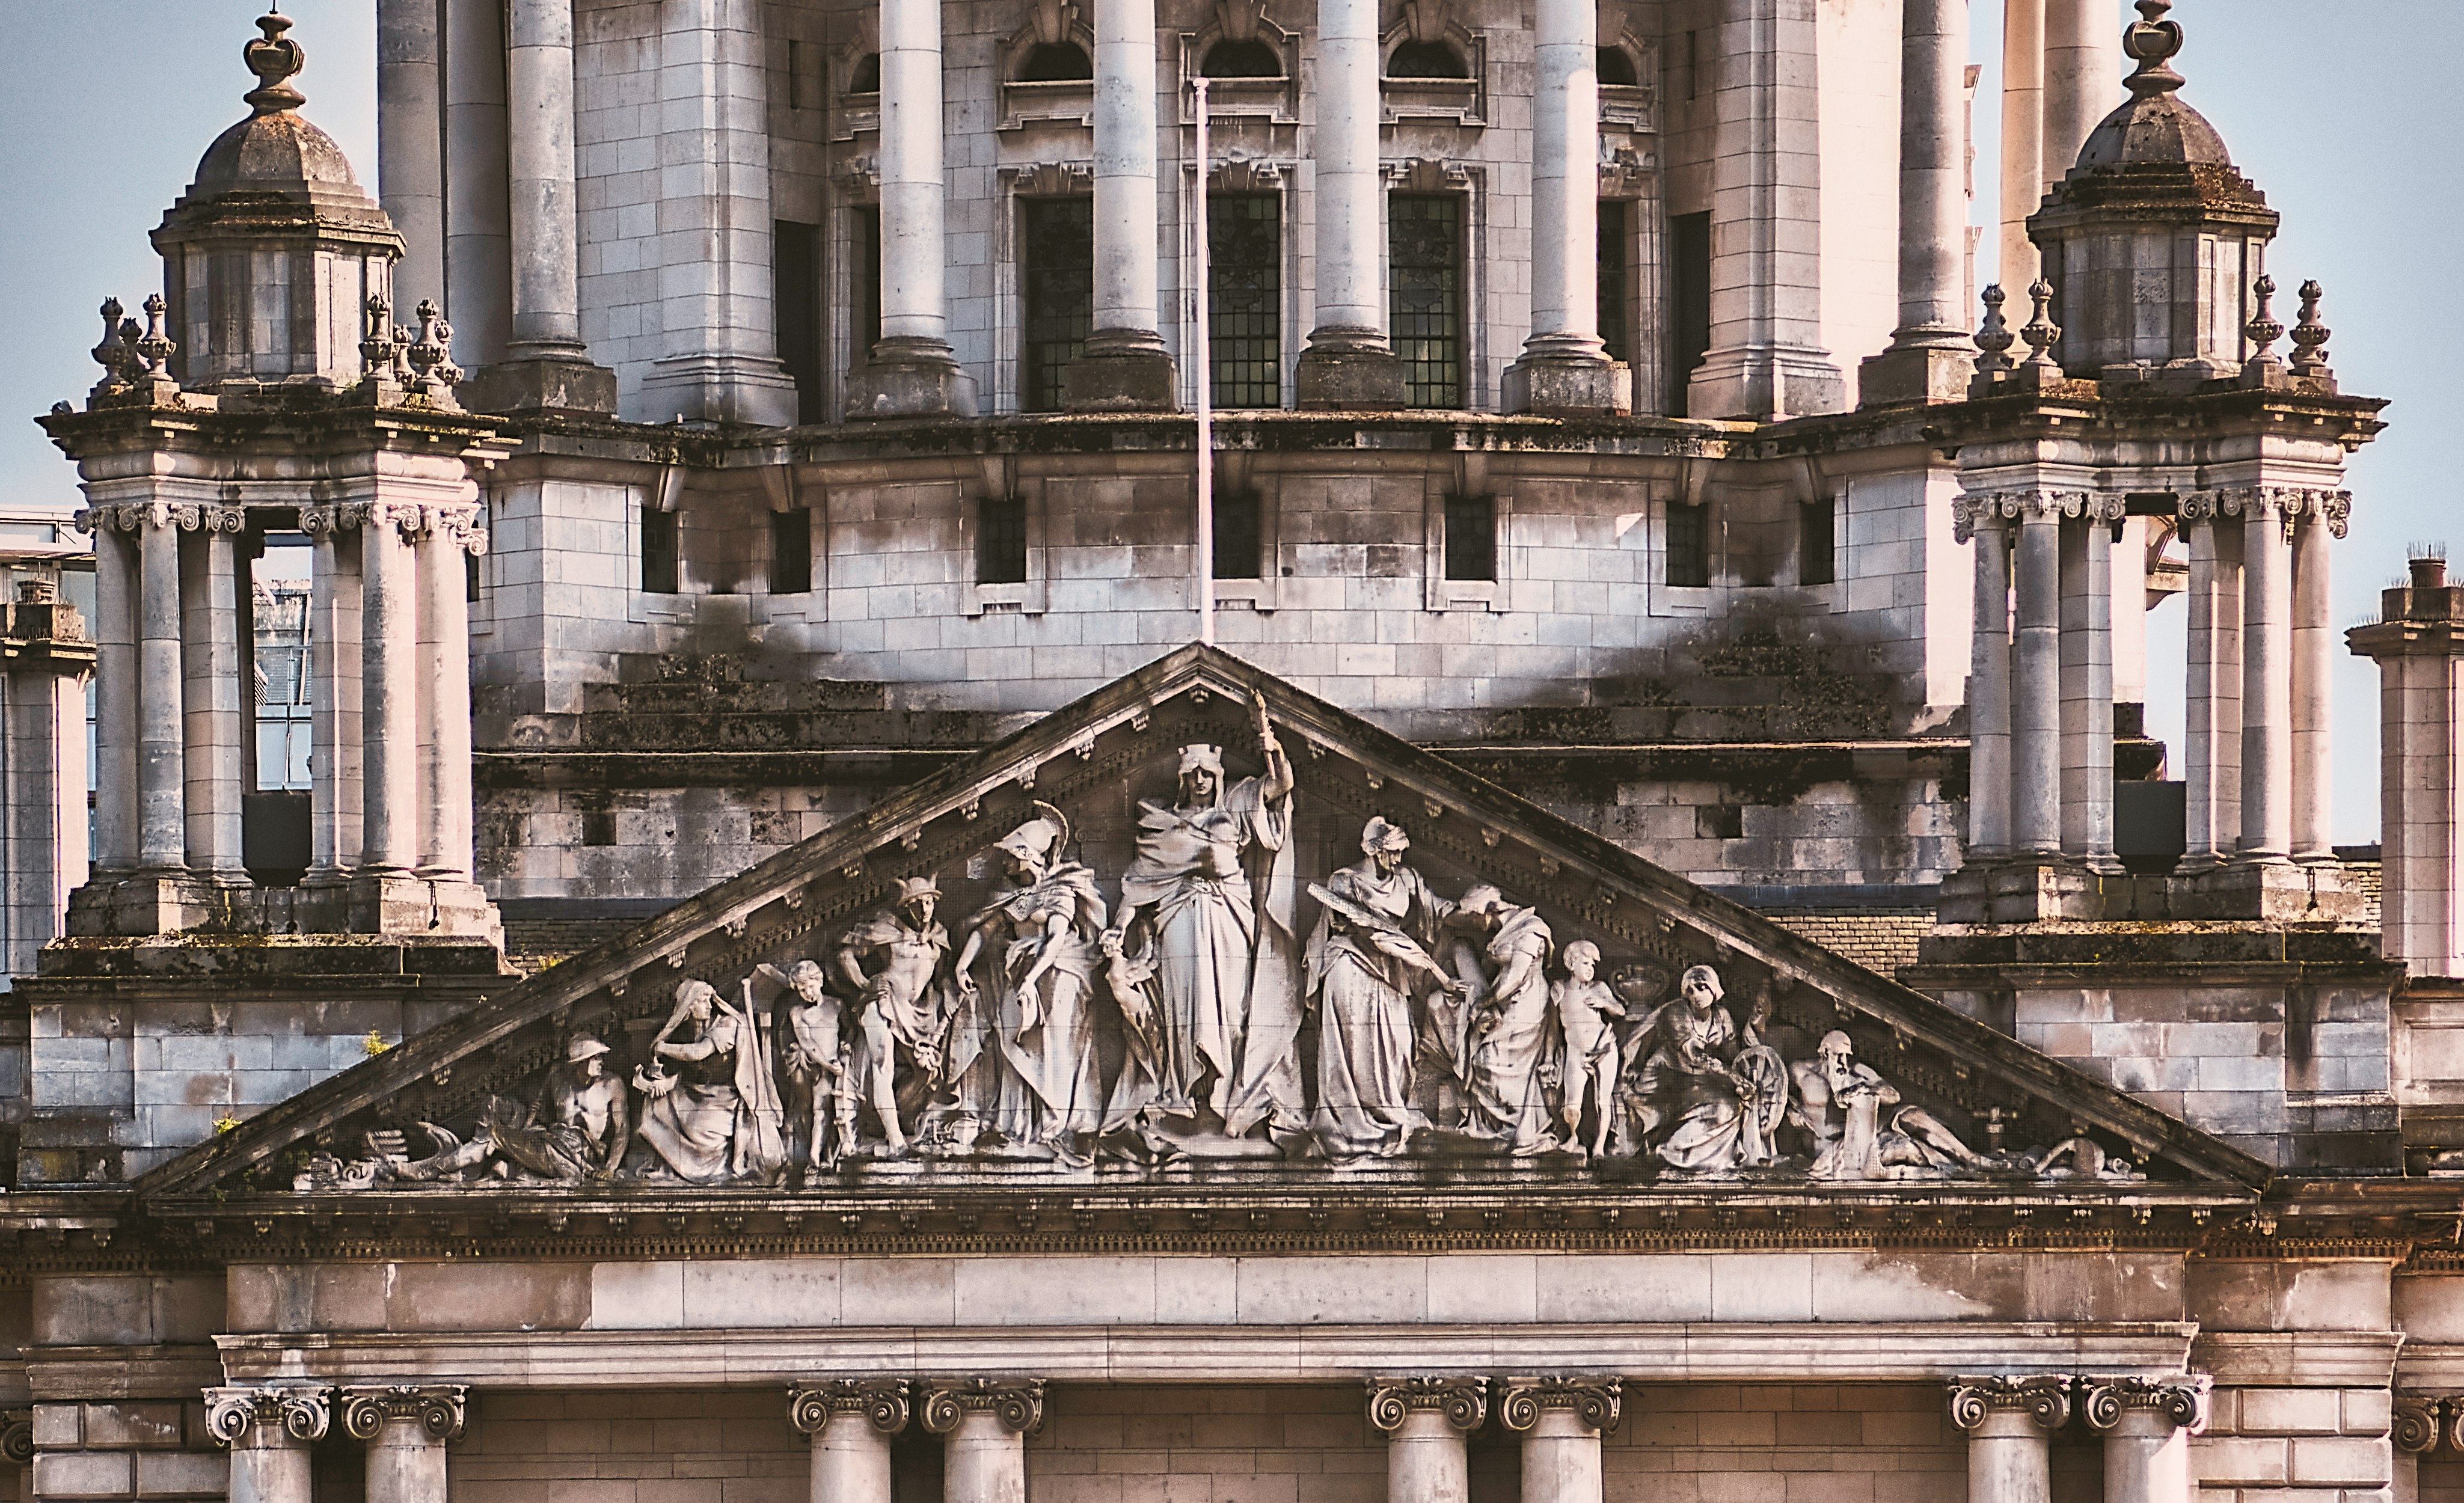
x: 1203, y: 359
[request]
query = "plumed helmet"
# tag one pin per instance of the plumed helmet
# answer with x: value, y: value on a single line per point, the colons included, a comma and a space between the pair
x: 582, y: 1047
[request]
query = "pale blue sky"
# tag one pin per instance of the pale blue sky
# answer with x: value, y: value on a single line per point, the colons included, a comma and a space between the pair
x: 2344, y: 115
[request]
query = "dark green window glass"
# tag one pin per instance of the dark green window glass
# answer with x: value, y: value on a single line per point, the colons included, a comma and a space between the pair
x: 1058, y: 272
x: 1424, y: 273
x: 1245, y: 289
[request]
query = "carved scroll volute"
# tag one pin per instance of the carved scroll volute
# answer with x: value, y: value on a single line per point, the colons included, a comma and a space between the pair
x: 437, y: 1407
x: 2044, y: 1398
x: 1462, y: 1401
x: 2415, y: 1426
x: 881, y: 1400
x: 16, y: 1437
x: 2181, y: 1401
x: 301, y: 1413
x: 1017, y: 1403
x: 1599, y: 1403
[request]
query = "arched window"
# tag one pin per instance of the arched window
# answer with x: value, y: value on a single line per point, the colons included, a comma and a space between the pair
x: 1249, y: 59
x: 1427, y: 60
x: 1055, y: 62
x: 867, y: 78
x: 1616, y: 66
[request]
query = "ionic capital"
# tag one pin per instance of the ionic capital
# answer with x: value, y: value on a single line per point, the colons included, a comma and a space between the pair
x: 881, y: 1400
x: 221, y: 516
x: 1597, y: 1402
x: 1018, y: 1402
x: 272, y: 1409
x: 2182, y: 1401
x: 2416, y: 1423
x: 16, y: 1437
x: 1462, y: 1401
x: 2044, y: 1398
x: 437, y: 1407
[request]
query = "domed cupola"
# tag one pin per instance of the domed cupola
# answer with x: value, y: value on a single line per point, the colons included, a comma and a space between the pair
x: 270, y: 259
x: 2154, y: 240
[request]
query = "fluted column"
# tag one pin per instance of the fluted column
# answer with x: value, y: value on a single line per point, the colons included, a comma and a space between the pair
x: 1349, y: 361
x: 406, y: 1428
x: 115, y: 592
x: 162, y: 751
x: 984, y: 1423
x: 410, y: 164
x: 913, y: 371
x: 1932, y: 356
x: 389, y: 690
x: 1989, y: 684
x: 2036, y: 681
x: 2146, y: 1425
x: 2313, y: 639
x: 1124, y: 365
x: 1565, y: 368
x: 1424, y: 1420
x: 213, y: 764
x: 1561, y: 1421
x: 445, y: 693
x: 2087, y: 684
x: 2211, y: 724
x: 851, y: 1422
x: 2266, y: 682
x: 269, y: 1429
x: 2010, y: 1424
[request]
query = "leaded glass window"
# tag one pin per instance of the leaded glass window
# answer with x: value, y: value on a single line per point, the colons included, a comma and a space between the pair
x: 1058, y: 272
x: 1425, y: 277
x: 1245, y: 298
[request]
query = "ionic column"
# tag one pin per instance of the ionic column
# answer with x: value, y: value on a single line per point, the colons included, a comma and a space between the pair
x: 984, y: 1423
x: 2212, y: 727
x: 2037, y: 681
x: 1348, y: 363
x: 1989, y: 684
x: 1561, y: 1421
x: 445, y: 694
x: 2010, y: 1424
x: 405, y: 1428
x: 2147, y: 1423
x: 2023, y: 135
x: 2087, y: 686
x: 213, y: 763
x: 1931, y: 355
x: 1425, y: 1420
x: 269, y: 1429
x: 162, y: 752
x: 1565, y: 368
x: 913, y: 372
x: 851, y: 1422
x: 334, y: 765
x: 409, y: 124
x: 389, y: 690
x: 2314, y: 640
x: 115, y: 592
x: 2082, y: 81
x: 2266, y: 682
x: 1124, y: 365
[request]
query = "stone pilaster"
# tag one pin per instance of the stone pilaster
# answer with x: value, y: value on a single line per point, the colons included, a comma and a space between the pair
x: 2147, y: 1423
x: 984, y: 1423
x: 269, y: 1430
x: 406, y: 1428
x: 851, y: 1422
x: 1561, y: 1421
x: 1424, y: 1420
x: 2010, y: 1424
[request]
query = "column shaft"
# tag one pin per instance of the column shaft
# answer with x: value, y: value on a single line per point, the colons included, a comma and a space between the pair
x: 2008, y: 1459
x: 1565, y: 174
x: 2023, y: 136
x: 269, y: 1467
x: 389, y: 695
x: 1933, y: 170
x: 1126, y: 217
x: 213, y: 761
x: 911, y: 189
x: 1561, y: 1459
x: 116, y: 804
x: 2036, y: 686
x: 2313, y: 641
x: 2266, y: 685
x: 540, y: 174
x: 411, y: 139
x: 2082, y: 78
x: 1988, y: 694
x: 1349, y: 361
x: 1427, y: 1461
x: 406, y: 1464
x: 983, y: 1461
x: 445, y: 686
x: 477, y: 237
x: 2087, y: 690
x: 2212, y: 756
x: 160, y: 750
x: 850, y: 1461
x: 333, y: 769
x: 2147, y: 1460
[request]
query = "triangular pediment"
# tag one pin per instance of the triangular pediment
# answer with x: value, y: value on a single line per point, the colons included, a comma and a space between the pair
x: 1327, y: 1045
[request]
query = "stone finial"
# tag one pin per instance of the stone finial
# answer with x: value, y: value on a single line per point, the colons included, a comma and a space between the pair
x: 2154, y: 42
x: 1994, y: 335
x: 156, y: 347
x: 2310, y: 336
x: 2263, y: 328
x: 2042, y: 333
x: 432, y: 355
x: 276, y: 59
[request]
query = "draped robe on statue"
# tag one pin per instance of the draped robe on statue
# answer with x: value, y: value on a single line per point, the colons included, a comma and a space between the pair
x: 718, y: 1117
x: 1507, y: 1099
x: 1365, y: 1036
x: 1047, y: 1090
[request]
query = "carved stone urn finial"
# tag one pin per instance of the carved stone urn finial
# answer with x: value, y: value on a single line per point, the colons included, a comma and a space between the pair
x: 2310, y: 335
x: 2263, y: 328
x: 1993, y: 335
x: 2154, y: 42
x: 276, y: 59
x: 2042, y: 333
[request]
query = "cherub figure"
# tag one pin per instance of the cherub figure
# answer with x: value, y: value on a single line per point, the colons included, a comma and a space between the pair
x: 1583, y: 1003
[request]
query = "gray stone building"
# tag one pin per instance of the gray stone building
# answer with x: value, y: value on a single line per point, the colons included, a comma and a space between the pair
x: 1274, y: 751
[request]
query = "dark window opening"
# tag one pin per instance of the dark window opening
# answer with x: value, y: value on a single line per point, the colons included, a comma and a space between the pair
x: 1471, y: 537
x: 1055, y: 62
x: 1058, y: 270
x: 1424, y: 261
x: 599, y: 827
x: 1427, y: 60
x: 791, y: 551
x: 1817, y: 526
x: 1249, y: 59
x: 1617, y: 67
x: 795, y: 74
x: 1689, y: 302
x: 1244, y: 284
x: 1719, y: 822
x: 866, y: 76
x: 864, y: 279
x: 796, y: 305
x: 1690, y: 546
x: 1693, y: 65
x: 1240, y: 546
x: 1615, y: 312
x: 470, y: 578
x: 1001, y: 541
x: 658, y: 551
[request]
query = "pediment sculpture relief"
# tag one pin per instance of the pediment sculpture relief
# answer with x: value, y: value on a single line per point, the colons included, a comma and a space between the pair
x: 1220, y: 994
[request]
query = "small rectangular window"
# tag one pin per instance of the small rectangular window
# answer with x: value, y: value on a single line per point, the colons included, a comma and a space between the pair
x: 796, y: 306
x: 658, y: 551
x: 1690, y: 546
x: 1471, y: 537
x: 796, y: 90
x: 1817, y: 526
x: 791, y: 551
x: 1058, y: 272
x: 1001, y: 541
x: 1425, y: 282
x: 1244, y: 290
x: 864, y: 280
x: 1240, y: 549
x: 1689, y: 302
x: 1613, y: 309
